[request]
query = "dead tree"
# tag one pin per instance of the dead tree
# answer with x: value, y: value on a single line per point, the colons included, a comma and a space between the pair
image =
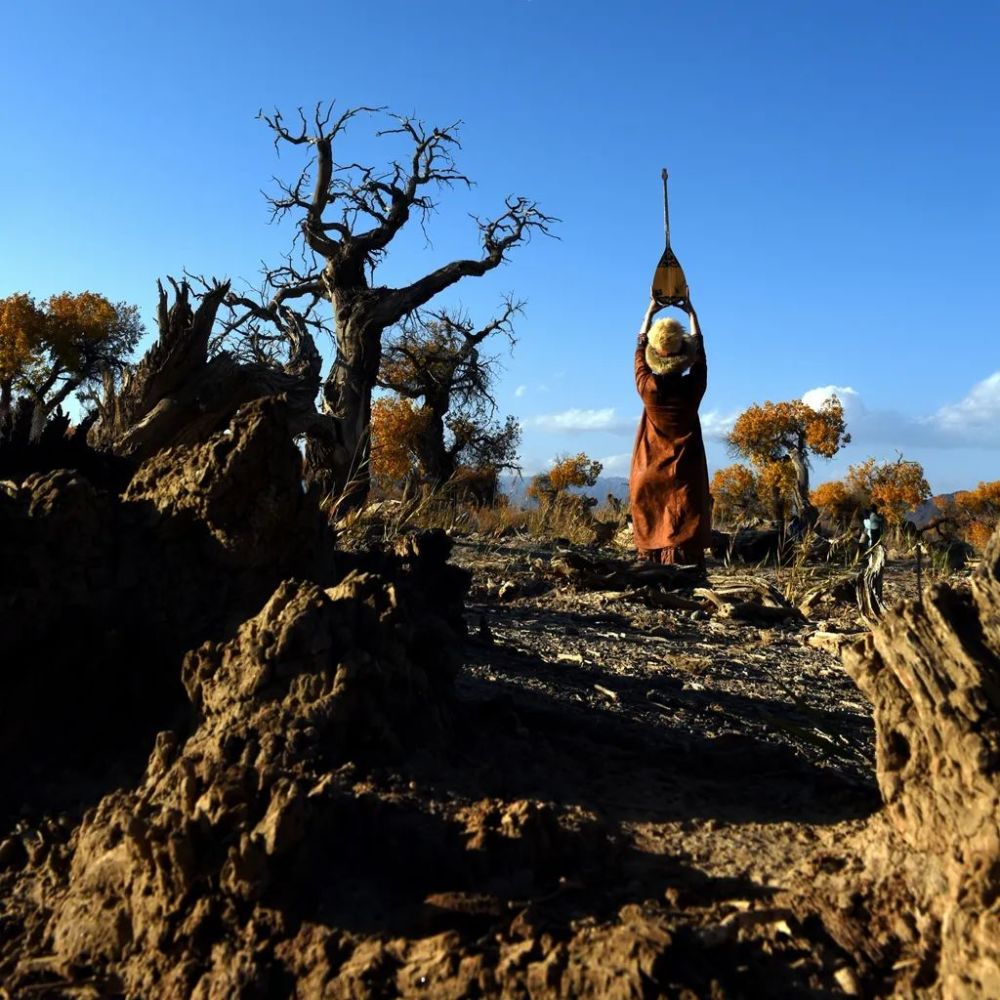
x: 436, y: 358
x: 918, y: 902
x: 180, y: 393
x: 348, y: 214
x: 868, y: 585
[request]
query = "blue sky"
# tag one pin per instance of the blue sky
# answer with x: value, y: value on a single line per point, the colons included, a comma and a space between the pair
x: 834, y: 195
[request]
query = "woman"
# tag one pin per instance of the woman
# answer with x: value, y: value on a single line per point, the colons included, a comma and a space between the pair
x: 668, y: 484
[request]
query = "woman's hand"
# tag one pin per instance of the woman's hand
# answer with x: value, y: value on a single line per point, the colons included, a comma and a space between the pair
x: 647, y: 321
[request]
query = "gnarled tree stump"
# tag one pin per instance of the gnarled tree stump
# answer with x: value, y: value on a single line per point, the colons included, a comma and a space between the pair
x: 932, y: 673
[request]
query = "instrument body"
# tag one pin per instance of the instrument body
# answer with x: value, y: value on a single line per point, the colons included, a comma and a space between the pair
x: 669, y: 283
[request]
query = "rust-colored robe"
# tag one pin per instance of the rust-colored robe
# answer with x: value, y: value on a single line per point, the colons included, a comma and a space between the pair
x: 668, y: 483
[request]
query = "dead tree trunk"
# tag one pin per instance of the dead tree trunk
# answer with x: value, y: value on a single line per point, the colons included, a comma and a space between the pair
x: 6, y: 403
x: 868, y: 586
x: 800, y: 463
x: 334, y: 203
x: 179, y: 395
x: 931, y: 882
x: 437, y: 459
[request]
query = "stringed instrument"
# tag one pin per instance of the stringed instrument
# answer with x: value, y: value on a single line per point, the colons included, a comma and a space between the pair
x: 669, y: 284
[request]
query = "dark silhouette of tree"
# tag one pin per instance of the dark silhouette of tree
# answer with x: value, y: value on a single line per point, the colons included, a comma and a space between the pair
x: 436, y: 358
x: 65, y: 345
x: 348, y: 214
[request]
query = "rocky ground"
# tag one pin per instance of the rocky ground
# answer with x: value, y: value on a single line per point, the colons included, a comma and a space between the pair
x: 455, y: 767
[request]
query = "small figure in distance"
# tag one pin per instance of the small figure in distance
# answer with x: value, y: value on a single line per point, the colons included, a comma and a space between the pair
x: 668, y: 482
x: 872, y: 526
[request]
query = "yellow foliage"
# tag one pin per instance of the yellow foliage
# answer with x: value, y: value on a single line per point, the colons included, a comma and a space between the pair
x: 574, y: 470
x: 835, y: 501
x: 396, y: 428
x: 70, y: 336
x: 74, y: 321
x: 22, y: 326
x: 776, y: 485
x: 769, y: 433
x: 977, y: 512
x: 895, y: 488
x: 978, y: 533
x: 567, y: 471
x: 734, y: 490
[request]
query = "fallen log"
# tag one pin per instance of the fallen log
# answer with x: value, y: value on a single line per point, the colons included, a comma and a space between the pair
x: 832, y: 642
x: 830, y: 593
x: 749, y: 599
x: 617, y: 574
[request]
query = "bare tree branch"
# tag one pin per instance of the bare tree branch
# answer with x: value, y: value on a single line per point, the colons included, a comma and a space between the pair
x: 348, y: 214
x: 515, y: 226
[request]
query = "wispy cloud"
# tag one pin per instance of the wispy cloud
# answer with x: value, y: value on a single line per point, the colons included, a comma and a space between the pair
x: 972, y: 422
x: 975, y: 419
x: 716, y: 425
x: 520, y: 391
x: 617, y: 465
x: 577, y: 421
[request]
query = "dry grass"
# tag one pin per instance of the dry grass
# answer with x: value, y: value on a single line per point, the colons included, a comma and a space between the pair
x: 568, y: 519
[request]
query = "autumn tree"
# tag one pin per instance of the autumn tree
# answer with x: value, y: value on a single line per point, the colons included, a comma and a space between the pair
x: 777, y: 489
x: 835, y: 502
x: 788, y: 434
x: 397, y: 429
x: 894, y: 488
x: 50, y: 350
x: 348, y: 214
x: 735, y: 493
x: 568, y: 472
x: 975, y: 513
x: 436, y: 358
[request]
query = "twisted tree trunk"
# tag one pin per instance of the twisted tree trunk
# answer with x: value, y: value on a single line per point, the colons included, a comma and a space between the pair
x: 178, y: 395
x: 918, y: 898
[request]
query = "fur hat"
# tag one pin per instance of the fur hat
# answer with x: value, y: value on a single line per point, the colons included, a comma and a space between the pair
x: 669, y: 350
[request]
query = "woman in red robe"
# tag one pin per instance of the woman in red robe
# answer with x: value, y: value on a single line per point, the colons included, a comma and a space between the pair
x: 668, y: 484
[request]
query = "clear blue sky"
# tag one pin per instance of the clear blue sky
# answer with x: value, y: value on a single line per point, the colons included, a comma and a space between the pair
x: 834, y: 177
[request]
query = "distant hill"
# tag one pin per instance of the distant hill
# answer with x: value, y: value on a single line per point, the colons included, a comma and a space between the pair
x: 617, y: 486
x: 928, y: 510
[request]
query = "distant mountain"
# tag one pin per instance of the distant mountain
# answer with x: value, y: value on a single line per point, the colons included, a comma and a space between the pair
x: 617, y: 486
x: 928, y: 510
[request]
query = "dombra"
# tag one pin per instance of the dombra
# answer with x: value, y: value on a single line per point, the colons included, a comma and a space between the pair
x: 669, y: 283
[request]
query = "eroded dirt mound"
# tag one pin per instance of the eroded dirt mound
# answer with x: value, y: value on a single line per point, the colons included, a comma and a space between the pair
x: 611, y: 785
x: 102, y: 594
x: 166, y: 608
x: 187, y: 883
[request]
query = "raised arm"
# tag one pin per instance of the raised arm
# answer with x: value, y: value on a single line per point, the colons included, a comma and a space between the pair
x: 698, y: 372
x: 644, y: 383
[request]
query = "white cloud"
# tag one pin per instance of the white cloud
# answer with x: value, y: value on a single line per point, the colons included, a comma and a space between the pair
x: 520, y: 391
x: 972, y: 422
x: 716, y: 426
x: 850, y: 398
x: 617, y: 465
x: 975, y: 419
x: 576, y: 421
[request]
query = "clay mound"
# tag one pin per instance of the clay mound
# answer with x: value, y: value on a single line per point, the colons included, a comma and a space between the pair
x: 238, y: 828
x: 244, y: 486
x: 173, y: 884
x: 106, y: 593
